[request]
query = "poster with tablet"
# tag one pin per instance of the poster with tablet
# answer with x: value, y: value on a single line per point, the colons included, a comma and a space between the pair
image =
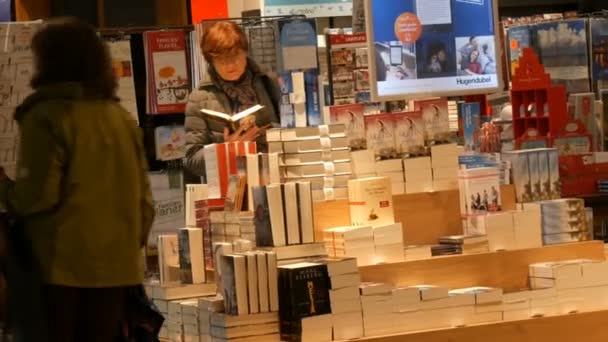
x: 423, y: 48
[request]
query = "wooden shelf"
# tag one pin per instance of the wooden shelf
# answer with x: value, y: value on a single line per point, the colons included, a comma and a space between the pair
x: 506, y: 269
x: 587, y: 327
x: 425, y: 216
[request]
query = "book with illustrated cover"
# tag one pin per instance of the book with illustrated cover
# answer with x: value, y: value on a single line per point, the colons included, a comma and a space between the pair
x: 170, y: 142
x: 167, y: 72
x: 371, y: 201
x: 409, y: 134
x: 352, y: 117
x: 436, y: 118
x: 122, y: 65
x: 470, y: 125
x: 168, y: 259
x: 381, y: 135
x: 235, y: 193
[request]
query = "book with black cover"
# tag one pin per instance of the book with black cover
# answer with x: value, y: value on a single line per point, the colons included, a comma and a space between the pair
x: 303, y: 292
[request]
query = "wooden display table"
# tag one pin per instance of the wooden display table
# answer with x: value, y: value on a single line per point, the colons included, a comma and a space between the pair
x: 425, y: 216
x: 587, y: 327
x: 507, y: 269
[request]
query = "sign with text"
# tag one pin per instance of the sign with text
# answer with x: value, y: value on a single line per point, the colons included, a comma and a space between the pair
x: 309, y: 8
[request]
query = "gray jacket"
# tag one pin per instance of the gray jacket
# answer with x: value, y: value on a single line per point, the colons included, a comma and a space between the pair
x: 200, y: 131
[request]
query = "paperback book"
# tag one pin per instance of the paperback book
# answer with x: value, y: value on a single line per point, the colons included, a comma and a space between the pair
x: 409, y: 134
x: 167, y: 71
x: 170, y: 142
x: 352, y: 117
x: 381, y: 135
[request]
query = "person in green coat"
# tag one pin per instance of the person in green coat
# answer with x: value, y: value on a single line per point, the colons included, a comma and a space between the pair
x: 81, y: 187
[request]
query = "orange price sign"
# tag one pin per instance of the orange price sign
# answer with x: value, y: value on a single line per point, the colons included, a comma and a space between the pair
x: 408, y: 28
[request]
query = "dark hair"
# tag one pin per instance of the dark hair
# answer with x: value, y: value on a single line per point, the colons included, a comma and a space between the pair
x: 68, y: 50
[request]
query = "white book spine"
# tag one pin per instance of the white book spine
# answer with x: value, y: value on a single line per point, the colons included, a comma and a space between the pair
x: 277, y: 217
x: 273, y: 281
x: 252, y: 285
x: 305, y: 212
x: 263, y: 282
x: 253, y: 177
x: 291, y: 213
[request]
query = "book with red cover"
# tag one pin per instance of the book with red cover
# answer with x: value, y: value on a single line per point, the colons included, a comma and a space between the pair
x: 167, y: 71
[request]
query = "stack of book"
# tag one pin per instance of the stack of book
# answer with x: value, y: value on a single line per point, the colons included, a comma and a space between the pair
x: 221, y: 163
x: 344, y: 297
x: 283, y: 214
x: 249, y: 282
x: 298, y: 253
x: 445, y: 166
x: 417, y: 252
x: 509, y: 230
x: 353, y: 241
x: 371, y: 201
x: 319, y: 155
x: 564, y: 221
x: 488, y: 302
x: 393, y: 170
x: 247, y: 224
x: 388, y: 243
x: 465, y: 244
x: 571, y: 286
x: 377, y: 304
x: 418, y: 175
x: 216, y: 325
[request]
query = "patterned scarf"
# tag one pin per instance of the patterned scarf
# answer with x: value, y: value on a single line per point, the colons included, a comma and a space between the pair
x: 240, y: 93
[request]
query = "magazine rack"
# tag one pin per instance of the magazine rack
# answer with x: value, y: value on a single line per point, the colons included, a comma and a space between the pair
x: 536, y: 103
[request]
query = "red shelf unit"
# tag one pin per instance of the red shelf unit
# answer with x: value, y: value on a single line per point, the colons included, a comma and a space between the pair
x: 537, y: 104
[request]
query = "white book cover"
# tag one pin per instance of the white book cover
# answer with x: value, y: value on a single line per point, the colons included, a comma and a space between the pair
x: 371, y: 201
x: 277, y: 216
x: 290, y: 199
x: 252, y: 283
x: 305, y: 210
x: 273, y: 281
x: 263, y: 282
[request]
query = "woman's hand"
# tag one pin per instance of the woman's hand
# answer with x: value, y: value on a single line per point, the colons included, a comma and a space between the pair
x: 244, y: 134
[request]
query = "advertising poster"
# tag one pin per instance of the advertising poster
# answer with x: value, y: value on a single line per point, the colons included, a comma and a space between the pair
x: 309, y: 8
x: 562, y: 48
x: 439, y: 47
x: 599, y: 48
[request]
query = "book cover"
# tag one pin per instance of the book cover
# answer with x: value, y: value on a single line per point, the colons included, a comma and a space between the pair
x: 481, y: 188
x: 191, y: 256
x: 436, y: 119
x: 167, y: 71
x: 292, y: 214
x: 277, y: 214
x: 286, y: 110
x: 170, y: 142
x: 244, y: 119
x: 252, y: 283
x: 235, y: 193
x: 216, y: 167
x: 263, y: 289
x: 313, y: 107
x: 273, y: 278
x: 371, y: 201
x: 168, y: 258
x: 471, y: 125
x: 352, y: 117
x: 304, y: 193
x: 381, y: 135
x: 122, y: 66
x: 304, y: 292
x: 409, y: 134
x: 234, y: 283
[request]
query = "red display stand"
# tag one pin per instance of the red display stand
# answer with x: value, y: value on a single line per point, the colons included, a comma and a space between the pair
x: 537, y: 104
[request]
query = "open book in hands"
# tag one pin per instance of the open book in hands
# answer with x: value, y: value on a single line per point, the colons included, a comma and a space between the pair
x: 232, y: 120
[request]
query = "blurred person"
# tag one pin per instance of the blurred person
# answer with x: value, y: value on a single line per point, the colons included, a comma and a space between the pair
x: 237, y: 83
x: 81, y: 193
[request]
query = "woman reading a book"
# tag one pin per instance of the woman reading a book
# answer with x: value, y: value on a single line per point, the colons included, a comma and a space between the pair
x: 237, y: 84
